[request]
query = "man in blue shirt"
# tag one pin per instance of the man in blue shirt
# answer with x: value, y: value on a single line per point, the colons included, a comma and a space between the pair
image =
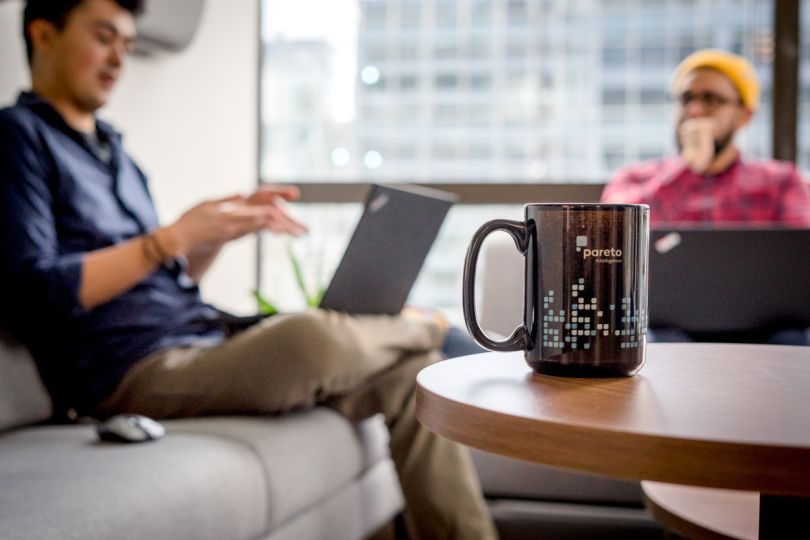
x: 107, y: 299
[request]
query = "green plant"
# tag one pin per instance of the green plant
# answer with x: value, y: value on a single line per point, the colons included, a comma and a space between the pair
x: 312, y: 298
x: 264, y: 305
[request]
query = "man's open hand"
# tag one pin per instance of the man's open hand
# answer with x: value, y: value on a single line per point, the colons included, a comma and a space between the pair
x: 219, y: 221
x: 274, y: 198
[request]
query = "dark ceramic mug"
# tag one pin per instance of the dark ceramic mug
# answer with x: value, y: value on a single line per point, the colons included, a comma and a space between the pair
x: 585, y: 311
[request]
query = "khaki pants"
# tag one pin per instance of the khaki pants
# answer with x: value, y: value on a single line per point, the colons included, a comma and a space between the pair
x: 358, y: 365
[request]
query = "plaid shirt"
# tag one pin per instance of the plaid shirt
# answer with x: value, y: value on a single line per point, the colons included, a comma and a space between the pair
x: 754, y: 193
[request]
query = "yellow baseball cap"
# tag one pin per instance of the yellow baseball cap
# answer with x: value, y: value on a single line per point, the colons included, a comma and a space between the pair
x: 738, y: 70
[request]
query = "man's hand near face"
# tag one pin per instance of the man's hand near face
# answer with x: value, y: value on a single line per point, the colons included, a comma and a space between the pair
x: 696, y: 137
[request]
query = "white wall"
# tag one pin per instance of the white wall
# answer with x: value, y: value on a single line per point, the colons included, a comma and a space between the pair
x: 189, y: 119
x: 13, y: 71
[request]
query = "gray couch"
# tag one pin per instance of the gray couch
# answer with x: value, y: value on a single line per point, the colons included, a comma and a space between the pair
x: 307, y: 475
x: 302, y: 476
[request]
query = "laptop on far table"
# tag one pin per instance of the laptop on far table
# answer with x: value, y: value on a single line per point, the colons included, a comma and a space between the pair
x: 387, y: 250
x: 718, y: 280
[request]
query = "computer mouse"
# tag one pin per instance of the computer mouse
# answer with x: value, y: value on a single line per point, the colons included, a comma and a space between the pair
x: 130, y: 428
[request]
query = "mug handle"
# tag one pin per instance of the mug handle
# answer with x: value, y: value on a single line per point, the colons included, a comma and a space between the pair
x: 519, y: 233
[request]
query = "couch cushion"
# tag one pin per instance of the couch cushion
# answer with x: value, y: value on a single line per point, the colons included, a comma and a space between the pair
x: 307, y: 456
x: 58, y: 482
x: 23, y: 398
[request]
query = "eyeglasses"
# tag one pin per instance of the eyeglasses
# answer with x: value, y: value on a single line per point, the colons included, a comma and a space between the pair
x: 709, y: 100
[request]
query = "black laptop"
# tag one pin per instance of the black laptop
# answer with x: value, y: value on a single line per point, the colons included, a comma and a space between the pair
x: 387, y: 250
x: 718, y: 280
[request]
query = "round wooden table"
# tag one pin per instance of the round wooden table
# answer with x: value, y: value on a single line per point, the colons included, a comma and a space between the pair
x: 713, y: 415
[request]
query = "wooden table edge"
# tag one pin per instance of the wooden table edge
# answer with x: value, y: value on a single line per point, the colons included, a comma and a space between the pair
x: 682, y: 509
x: 549, y: 441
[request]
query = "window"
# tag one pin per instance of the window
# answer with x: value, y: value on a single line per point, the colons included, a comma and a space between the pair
x: 446, y: 80
x: 376, y: 15
x: 445, y: 49
x: 613, y: 96
x: 481, y: 13
x: 483, y: 91
x: 627, y: 60
x: 410, y: 13
x: 446, y: 16
x: 480, y: 80
x: 517, y: 13
x: 653, y: 96
x: 613, y: 56
x: 408, y: 82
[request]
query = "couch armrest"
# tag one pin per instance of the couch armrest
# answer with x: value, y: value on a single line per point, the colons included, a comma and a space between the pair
x: 23, y: 398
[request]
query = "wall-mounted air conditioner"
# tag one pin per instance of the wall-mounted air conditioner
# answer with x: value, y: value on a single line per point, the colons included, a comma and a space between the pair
x: 168, y: 25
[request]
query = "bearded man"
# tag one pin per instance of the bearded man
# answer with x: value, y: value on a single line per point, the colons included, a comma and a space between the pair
x: 717, y: 93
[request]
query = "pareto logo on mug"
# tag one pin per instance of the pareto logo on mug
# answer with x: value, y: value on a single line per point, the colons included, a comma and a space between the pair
x: 611, y: 255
